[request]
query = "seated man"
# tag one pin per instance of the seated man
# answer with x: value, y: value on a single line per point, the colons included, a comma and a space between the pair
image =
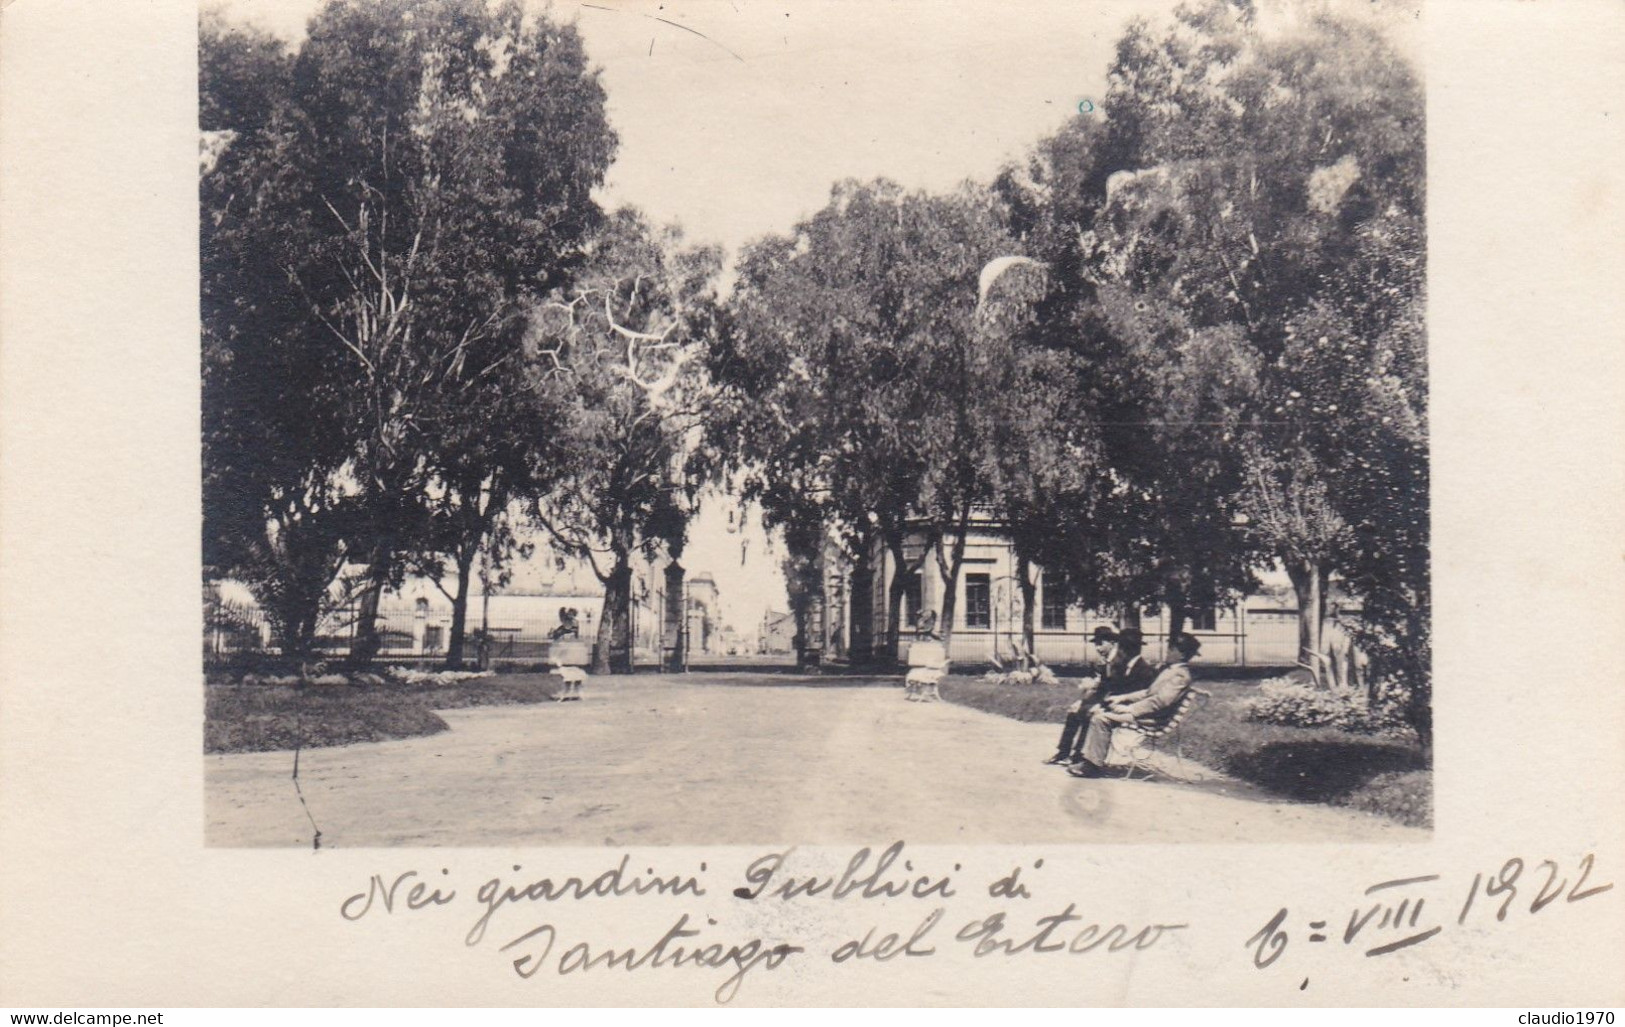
x: 1148, y: 708
x: 1123, y: 669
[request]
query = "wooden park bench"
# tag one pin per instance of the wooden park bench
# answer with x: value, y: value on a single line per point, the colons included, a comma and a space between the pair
x: 1140, y: 747
x: 570, y: 661
x: 927, y: 663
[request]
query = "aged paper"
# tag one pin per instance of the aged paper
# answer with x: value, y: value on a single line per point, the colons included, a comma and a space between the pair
x: 109, y: 895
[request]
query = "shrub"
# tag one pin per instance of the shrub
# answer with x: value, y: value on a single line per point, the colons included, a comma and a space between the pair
x: 1039, y: 675
x: 271, y: 679
x: 1298, y: 704
x: 413, y: 676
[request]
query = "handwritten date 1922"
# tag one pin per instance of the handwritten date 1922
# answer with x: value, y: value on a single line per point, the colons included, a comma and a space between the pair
x: 1392, y: 913
x: 1505, y: 882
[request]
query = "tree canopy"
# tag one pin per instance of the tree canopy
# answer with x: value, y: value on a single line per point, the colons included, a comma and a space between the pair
x: 623, y: 351
x: 380, y: 207
x: 1247, y: 229
x: 1180, y: 341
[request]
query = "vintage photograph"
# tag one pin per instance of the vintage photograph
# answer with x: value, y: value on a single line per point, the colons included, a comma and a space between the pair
x: 814, y: 423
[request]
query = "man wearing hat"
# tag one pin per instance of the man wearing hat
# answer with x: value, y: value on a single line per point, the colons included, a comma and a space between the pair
x: 1123, y: 670
x: 1147, y: 707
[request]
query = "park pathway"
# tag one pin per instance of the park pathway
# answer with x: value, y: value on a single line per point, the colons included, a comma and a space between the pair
x: 736, y: 759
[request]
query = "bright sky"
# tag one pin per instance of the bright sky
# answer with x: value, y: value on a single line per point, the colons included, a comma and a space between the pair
x: 736, y: 116
x: 735, y: 147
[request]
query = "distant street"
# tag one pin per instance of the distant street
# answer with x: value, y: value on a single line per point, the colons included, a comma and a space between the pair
x: 733, y: 759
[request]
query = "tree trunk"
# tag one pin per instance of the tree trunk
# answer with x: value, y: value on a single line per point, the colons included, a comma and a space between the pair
x: 290, y: 581
x: 298, y: 611
x: 606, y: 629
x: 459, y: 610
x: 949, y: 566
x: 1298, y: 574
x: 860, y: 603
x: 894, y: 598
x: 1309, y: 586
x: 379, y: 569
x: 1317, y: 608
x: 1129, y: 616
x: 613, y: 654
x: 1177, y: 615
x: 303, y: 638
x: 482, y: 501
x: 614, y: 650
x: 293, y: 625
x: 673, y: 642
x: 800, y: 613
x: 1029, y: 593
x: 798, y: 638
x: 365, y: 644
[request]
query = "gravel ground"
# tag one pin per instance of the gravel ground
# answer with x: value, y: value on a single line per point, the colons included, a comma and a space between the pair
x: 737, y: 759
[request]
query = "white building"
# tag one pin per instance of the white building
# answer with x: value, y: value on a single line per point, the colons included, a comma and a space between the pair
x: 415, y: 620
x: 1261, y: 630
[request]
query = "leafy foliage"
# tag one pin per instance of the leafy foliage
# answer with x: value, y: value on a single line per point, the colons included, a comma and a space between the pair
x: 1300, y: 704
x: 850, y: 349
x: 622, y: 351
x: 376, y: 210
x: 1241, y: 250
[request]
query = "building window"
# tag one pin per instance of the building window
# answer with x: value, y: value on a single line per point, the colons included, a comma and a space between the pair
x: 912, y: 601
x: 1053, y: 610
x: 978, y: 601
x: 1203, y: 619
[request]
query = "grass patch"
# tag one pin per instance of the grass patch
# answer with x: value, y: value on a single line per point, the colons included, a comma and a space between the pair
x: 1377, y: 774
x: 1035, y: 703
x: 264, y: 718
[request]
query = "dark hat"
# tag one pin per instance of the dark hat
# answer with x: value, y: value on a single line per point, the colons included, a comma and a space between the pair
x: 1187, y: 645
x: 1131, y: 637
x: 1104, y: 633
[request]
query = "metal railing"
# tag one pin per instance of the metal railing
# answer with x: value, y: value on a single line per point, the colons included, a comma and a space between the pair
x: 403, y: 635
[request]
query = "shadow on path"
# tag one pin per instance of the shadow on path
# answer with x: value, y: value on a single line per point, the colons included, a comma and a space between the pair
x: 1320, y: 771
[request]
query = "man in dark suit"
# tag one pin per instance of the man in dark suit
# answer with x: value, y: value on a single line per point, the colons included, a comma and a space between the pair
x: 1124, y: 669
x: 1148, y: 707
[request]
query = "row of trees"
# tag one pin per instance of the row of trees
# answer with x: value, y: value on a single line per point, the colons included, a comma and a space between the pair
x: 1181, y: 341
x: 418, y: 325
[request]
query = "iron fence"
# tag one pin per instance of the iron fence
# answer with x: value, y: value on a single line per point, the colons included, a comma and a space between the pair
x: 404, y: 635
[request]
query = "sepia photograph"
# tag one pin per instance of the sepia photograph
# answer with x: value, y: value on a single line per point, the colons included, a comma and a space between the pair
x: 741, y: 424
x: 555, y: 504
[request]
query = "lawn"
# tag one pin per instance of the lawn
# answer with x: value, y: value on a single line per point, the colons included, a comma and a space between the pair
x: 1378, y: 774
x: 263, y: 717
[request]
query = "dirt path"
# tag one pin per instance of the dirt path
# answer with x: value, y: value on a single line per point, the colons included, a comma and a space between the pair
x: 735, y: 759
